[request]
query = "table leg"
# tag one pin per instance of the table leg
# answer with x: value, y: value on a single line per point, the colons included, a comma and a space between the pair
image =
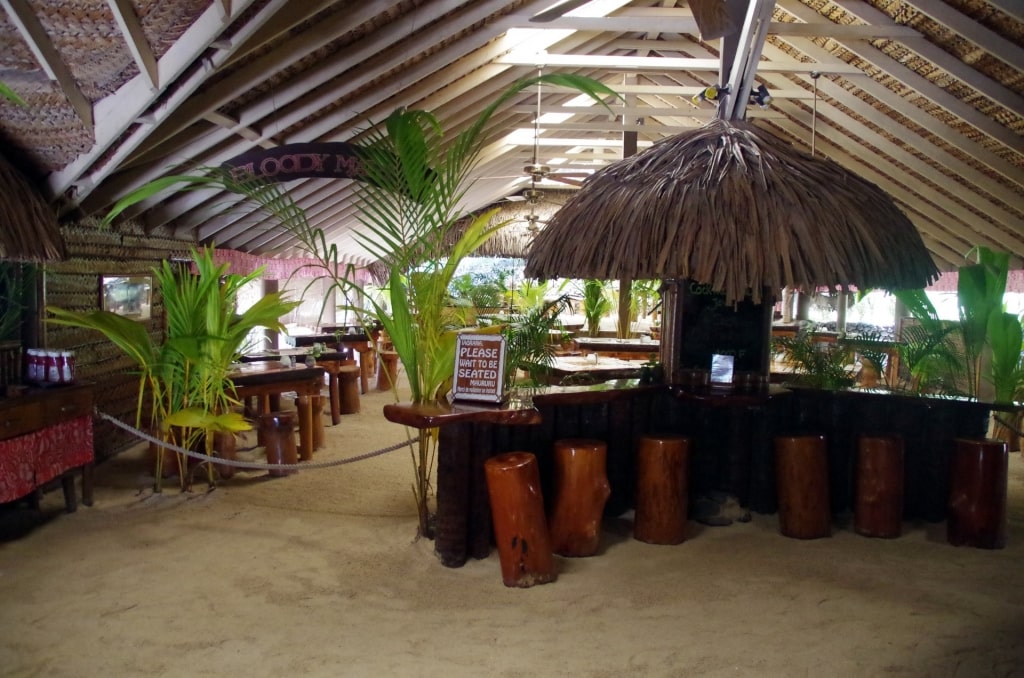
x: 67, y: 483
x: 335, y: 399
x: 305, y: 409
x: 87, y: 480
x: 365, y: 368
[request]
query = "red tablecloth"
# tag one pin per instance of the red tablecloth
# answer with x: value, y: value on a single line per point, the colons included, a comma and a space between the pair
x: 28, y: 461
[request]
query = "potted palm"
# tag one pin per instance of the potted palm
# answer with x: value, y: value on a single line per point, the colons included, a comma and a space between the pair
x: 190, y: 396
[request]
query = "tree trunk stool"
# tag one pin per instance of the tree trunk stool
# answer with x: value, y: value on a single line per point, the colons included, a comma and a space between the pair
x: 662, y: 489
x: 387, y: 370
x: 878, y: 505
x: 317, y: 403
x: 581, y: 491
x: 348, y: 389
x: 977, y: 494
x: 520, y: 526
x: 801, y: 480
x: 278, y: 430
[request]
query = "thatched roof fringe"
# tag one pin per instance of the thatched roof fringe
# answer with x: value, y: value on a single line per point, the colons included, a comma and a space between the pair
x: 736, y: 207
x: 28, y: 227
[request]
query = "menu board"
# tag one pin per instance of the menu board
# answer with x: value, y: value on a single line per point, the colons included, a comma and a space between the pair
x: 711, y: 327
x: 479, y: 367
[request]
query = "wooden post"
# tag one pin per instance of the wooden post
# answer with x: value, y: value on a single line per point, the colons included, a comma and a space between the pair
x: 878, y: 508
x: 348, y: 389
x: 387, y: 370
x: 581, y: 491
x: 520, y: 527
x: 977, y: 494
x: 801, y: 480
x: 278, y: 430
x: 662, y: 493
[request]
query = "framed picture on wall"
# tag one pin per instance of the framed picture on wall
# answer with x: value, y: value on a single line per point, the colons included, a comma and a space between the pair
x: 127, y: 295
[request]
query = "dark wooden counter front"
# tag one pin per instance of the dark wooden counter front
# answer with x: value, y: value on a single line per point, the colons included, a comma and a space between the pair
x: 469, y: 434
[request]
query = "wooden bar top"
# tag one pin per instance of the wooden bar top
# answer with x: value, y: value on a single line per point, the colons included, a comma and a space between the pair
x: 518, y: 409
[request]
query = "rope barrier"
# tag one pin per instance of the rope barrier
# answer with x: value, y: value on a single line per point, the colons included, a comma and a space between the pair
x: 251, y: 464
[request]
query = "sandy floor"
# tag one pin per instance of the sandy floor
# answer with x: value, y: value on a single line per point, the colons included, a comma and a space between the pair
x: 319, y: 574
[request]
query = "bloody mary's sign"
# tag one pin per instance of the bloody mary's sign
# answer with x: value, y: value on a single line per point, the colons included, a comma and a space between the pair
x: 479, y: 367
x: 323, y: 160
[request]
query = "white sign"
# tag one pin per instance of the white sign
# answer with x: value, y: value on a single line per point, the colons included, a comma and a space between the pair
x: 479, y: 367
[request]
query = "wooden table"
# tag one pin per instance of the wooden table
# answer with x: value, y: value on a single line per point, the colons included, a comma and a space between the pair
x: 626, y: 349
x: 581, y: 369
x: 45, y: 434
x: 268, y: 380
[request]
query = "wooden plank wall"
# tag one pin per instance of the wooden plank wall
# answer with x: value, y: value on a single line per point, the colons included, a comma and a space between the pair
x: 74, y: 284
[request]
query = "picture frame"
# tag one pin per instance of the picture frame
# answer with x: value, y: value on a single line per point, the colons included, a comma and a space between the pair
x: 127, y: 295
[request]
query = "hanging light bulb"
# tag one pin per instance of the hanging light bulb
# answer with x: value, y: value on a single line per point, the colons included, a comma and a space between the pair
x: 761, y: 96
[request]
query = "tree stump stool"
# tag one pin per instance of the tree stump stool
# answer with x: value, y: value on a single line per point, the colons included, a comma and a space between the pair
x: 878, y: 505
x: 387, y: 370
x: 278, y: 429
x: 317, y: 403
x: 581, y: 491
x: 801, y: 480
x: 662, y: 489
x: 348, y: 389
x: 520, y: 526
x: 977, y: 494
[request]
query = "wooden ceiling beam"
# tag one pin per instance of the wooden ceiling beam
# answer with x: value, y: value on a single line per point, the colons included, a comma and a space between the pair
x: 135, y: 39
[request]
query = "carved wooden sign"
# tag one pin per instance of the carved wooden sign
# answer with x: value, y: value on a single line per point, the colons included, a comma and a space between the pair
x: 479, y: 367
x: 325, y: 160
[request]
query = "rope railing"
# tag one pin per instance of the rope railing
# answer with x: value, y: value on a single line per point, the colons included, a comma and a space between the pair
x: 251, y: 464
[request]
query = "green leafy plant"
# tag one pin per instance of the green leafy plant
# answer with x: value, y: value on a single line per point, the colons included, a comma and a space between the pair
x: 819, y: 364
x: 528, y: 340
x: 596, y: 304
x: 186, y: 376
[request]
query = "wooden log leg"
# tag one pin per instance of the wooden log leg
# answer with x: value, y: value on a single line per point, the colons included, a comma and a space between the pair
x: 305, y: 412
x: 520, y: 528
x: 453, y: 474
x: 801, y: 479
x: 335, y: 393
x: 662, y: 495
x: 479, y: 530
x: 279, y: 433
x: 878, y: 505
x: 349, y: 390
x: 365, y: 368
x: 225, y: 446
x: 317, y: 403
x: 581, y: 490
x: 977, y: 494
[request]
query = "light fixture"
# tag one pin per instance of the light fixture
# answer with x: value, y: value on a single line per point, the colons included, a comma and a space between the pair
x: 712, y: 93
x: 761, y: 96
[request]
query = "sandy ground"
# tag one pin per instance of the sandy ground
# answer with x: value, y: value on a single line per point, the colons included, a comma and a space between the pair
x: 319, y: 574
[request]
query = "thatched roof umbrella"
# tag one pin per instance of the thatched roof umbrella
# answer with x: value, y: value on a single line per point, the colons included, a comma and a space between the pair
x: 30, y: 231
x: 731, y: 205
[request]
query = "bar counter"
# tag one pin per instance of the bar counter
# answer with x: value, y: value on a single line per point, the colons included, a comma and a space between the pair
x: 529, y: 420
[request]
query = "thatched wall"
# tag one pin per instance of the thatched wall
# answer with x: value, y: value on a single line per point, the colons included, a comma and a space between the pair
x: 74, y: 284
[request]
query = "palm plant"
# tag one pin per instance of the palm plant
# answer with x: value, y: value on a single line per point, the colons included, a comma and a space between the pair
x: 595, y: 304
x: 185, y: 377
x: 528, y: 339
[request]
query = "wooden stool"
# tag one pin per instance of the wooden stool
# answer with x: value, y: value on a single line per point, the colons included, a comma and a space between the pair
x: 878, y: 506
x: 977, y: 494
x: 581, y: 491
x: 278, y: 429
x: 801, y: 480
x: 387, y: 370
x: 520, y: 527
x: 348, y: 389
x: 662, y: 492
x: 317, y: 403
